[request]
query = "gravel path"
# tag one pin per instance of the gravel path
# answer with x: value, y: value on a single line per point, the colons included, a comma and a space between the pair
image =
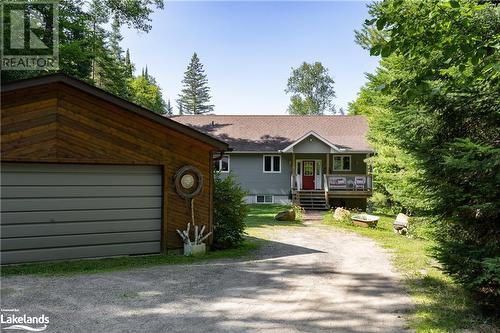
x: 305, y: 279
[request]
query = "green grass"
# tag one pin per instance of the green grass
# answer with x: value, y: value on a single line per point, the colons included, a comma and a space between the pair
x: 89, y: 266
x: 260, y: 219
x: 440, y: 304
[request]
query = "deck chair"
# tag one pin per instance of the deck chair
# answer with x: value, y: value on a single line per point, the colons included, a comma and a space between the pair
x: 337, y: 182
x: 359, y: 182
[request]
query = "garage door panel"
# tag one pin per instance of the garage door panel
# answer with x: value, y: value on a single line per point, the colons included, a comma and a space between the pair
x: 41, y: 204
x: 62, y: 211
x: 65, y: 228
x: 8, y: 257
x: 76, y: 179
x: 78, y: 168
x: 79, y: 216
x: 78, y: 240
x: 11, y: 192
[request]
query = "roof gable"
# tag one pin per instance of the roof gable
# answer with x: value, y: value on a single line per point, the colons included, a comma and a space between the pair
x: 108, y: 97
x: 309, y: 135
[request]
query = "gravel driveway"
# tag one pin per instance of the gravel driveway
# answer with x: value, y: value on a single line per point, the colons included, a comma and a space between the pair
x: 306, y: 279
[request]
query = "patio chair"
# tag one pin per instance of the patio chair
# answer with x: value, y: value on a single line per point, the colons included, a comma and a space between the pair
x: 337, y: 183
x: 359, y: 182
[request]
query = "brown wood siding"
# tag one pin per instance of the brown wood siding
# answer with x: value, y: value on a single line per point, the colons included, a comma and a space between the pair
x: 56, y: 123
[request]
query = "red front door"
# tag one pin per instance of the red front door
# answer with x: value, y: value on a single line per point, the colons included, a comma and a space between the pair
x: 308, y: 175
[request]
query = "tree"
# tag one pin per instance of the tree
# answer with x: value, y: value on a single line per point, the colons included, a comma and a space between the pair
x: 195, y: 96
x: 230, y: 211
x: 443, y: 113
x: 169, y: 110
x: 396, y: 172
x: 312, y: 90
x: 146, y: 94
x: 115, y: 38
x: 128, y: 64
x: 84, y: 48
x: 110, y: 70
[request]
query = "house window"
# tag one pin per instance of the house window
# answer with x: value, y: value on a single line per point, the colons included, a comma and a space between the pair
x: 342, y: 163
x: 222, y: 165
x: 272, y: 163
x: 264, y: 199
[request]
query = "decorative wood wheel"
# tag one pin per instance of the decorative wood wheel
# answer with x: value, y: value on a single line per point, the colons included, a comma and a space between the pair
x: 188, y: 181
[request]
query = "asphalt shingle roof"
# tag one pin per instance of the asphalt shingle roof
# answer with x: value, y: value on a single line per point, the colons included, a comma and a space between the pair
x: 273, y: 133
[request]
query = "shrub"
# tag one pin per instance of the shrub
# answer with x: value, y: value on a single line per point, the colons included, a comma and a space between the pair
x: 299, y: 212
x: 421, y: 227
x: 230, y: 211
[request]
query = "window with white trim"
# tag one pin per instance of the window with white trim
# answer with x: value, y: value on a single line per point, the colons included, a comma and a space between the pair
x: 342, y: 163
x: 264, y: 199
x: 271, y: 164
x: 222, y: 165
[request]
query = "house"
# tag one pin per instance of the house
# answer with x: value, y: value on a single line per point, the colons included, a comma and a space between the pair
x: 315, y: 161
x: 87, y: 174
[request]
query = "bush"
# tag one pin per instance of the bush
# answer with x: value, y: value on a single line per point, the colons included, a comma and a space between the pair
x: 421, y: 227
x: 299, y: 212
x: 230, y: 211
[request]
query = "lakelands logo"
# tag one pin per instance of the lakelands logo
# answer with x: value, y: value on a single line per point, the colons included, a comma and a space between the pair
x: 29, y: 35
x: 12, y: 319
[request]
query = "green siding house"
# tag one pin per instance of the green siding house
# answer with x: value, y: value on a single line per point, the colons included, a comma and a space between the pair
x: 315, y: 161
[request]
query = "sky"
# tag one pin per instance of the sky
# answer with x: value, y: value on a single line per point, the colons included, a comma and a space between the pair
x: 249, y: 48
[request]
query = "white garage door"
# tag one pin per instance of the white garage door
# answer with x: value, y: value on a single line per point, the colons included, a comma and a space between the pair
x: 62, y: 211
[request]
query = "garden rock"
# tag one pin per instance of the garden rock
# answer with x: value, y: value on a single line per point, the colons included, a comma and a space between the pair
x: 401, y: 224
x: 287, y: 215
x: 341, y: 214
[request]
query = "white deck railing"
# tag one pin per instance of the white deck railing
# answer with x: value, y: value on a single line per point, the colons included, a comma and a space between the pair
x: 351, y: 182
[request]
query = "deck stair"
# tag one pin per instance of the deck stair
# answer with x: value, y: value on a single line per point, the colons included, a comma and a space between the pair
x: 311, y: 199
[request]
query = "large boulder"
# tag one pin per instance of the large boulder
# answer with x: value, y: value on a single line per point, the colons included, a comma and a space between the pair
x: 401, y: 224
x: 341, y: 214
x: 287, y: 215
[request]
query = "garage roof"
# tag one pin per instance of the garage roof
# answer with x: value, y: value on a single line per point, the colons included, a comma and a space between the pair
x: 76, y: 83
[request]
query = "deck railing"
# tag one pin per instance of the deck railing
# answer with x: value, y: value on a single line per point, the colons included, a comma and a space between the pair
x: 351, y: 182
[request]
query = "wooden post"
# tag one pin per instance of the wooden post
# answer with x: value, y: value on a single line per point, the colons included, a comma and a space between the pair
x: 327, y: 163
x: 294, y: 172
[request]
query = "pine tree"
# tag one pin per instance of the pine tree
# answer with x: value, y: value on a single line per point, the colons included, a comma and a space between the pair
x: 115, y: 37
x: 195, y: 96
x: 169, y: 110
x: 180, y: 110
x: 146, y: 75
x: 128, y: 64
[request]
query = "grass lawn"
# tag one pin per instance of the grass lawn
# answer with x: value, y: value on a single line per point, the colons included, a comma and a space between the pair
x: 260, y: 220
x: 86, y: 266
x: 441, y: 305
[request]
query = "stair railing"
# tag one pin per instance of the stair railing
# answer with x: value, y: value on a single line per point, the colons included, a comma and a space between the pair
x: 325, y: 182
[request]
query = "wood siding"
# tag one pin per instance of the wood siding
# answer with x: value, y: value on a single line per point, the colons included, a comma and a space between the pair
x: 57, y: 123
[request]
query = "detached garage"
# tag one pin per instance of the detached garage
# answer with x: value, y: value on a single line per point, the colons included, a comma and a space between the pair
x: 87, y: 174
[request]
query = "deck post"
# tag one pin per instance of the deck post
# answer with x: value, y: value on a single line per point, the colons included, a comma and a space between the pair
x: 327, y: 163
x: 294, y: 172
